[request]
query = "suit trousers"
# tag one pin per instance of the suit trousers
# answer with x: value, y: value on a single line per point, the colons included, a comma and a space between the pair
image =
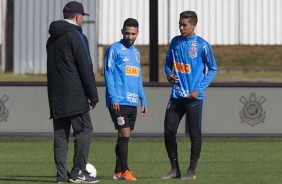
x: 82, y: 133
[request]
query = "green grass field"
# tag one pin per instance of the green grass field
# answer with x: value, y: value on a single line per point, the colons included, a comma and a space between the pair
x: 26, y: 160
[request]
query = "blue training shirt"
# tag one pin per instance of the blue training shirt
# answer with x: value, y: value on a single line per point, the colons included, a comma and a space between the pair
x: 188, y: 58
x: 123, y: 75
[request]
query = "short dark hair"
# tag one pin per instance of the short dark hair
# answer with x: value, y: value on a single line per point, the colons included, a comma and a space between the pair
x: 130, y: 22
x: 69, y: 15
x: 191, y: 15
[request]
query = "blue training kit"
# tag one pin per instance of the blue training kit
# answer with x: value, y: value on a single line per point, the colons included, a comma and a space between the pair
x: 192, y: 61
x: 123, y: 75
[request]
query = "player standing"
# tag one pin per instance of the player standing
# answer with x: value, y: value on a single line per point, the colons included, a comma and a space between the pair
x: 124, y: 86
x: 187, y: 59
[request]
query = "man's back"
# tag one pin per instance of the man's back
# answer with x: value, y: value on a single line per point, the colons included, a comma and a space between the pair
x: 70, y: 75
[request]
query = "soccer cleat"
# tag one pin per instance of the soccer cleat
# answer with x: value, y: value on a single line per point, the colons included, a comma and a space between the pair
x: 174, y: 173
x: 117, y: 176
x: 190, y: 175
x: 127, y: 175
x: 84, y: 177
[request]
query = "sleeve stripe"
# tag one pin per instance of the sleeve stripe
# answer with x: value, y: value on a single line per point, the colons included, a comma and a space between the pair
x: 85, y: 47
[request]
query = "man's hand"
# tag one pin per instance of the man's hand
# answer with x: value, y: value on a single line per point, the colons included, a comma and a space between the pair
x: 172, y: 79
x: 93, y: 105
x: 144, y: 111
x: 193, y: 95
x: 115, y: 106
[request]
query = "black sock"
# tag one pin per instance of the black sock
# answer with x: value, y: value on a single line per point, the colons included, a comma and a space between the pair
x: 122, y: 146
x: 174, y: 163
x: 171, y: 148
x: 118, y: 164
x: 193, y: 165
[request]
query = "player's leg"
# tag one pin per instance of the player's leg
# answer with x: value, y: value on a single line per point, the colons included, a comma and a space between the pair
x: 122, y: 143
x: 83, y: 130
x: 194, y: 121
x: 124, y: 121
x: 173, y: 116
x: 124, y: 133
x: 117, y: 170
x: 61, y: 138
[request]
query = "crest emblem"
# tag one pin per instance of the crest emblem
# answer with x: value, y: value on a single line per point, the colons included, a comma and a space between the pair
x: 120, y: 121
x: 252, y: 112
x: 4, y: 112
x: 193, y: 52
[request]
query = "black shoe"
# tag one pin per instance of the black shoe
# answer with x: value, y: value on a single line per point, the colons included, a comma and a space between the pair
x: 190, y: 175
x: 84, y: 177
x: 174, y: 173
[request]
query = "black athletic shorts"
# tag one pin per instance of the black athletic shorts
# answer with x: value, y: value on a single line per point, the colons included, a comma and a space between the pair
x: 126, y: 117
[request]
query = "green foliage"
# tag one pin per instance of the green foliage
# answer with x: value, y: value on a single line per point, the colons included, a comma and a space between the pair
x: 229, y: 160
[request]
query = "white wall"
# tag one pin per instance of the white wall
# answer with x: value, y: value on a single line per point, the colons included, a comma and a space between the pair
x: 221, y: 22
x: 112, y: 14
x: 2, y: 19
x: 2, y: 31
x: 29, y: 111
x: 31, y: 24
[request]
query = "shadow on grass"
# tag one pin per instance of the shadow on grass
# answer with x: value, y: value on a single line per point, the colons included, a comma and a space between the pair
x: 26, y: 180
x: 32, y: 179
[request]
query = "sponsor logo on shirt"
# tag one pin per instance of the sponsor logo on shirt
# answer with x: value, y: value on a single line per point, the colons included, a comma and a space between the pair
x: 125, y: 59
x: 137, y: 57
x: 122, y: 47
x: 132, y: 70
x: 193, y: 52
x: 132, y: 97
x: 179, y: 41
x: 168, y: 104
x: 206, y: 50
x: 181, y: 67
x: 194, y: 43
x: 179, y: 91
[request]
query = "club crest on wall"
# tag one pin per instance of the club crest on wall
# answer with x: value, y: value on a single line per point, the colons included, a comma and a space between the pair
x: 4, y: 112
x: 252, y: 112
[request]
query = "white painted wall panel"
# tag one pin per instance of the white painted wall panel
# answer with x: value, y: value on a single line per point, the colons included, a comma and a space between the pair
x: 221, y: 22
x: 2, y: 19
x: 112, y: 14
x: 278, y: 19
x: 260, y: 22
x: 31, y: 25
x: 2, y: 31
x: 217, y: 19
